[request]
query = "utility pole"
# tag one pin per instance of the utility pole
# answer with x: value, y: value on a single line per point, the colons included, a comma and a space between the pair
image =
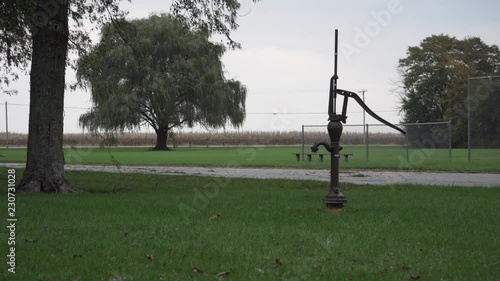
x: 6, y: 127
x: 364, y: 126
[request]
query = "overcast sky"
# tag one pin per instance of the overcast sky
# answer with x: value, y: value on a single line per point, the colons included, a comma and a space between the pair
x: 287, y: 56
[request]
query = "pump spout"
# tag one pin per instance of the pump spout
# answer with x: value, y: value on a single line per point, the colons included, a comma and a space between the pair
x: 316, y: 145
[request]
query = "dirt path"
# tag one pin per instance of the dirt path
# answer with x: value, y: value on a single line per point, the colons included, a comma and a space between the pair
x: 353, y: 176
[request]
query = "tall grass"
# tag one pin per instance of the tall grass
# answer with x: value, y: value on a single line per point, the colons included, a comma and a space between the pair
x: 209, y: 139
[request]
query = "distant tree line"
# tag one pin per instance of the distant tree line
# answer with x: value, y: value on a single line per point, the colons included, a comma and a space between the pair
x: 434, y: 87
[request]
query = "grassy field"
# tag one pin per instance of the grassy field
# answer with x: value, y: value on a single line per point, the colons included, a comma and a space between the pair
x: 148, y: 227
x: 381, y: 157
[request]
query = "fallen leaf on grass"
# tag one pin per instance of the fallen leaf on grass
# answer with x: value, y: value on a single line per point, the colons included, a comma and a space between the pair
x: 149, y: 256
x: 75, y: 256
x: 403, y: 267
x: 214, y: 218
x: 318, y: 267
x: 277, y: 262
x: 222, y: 275
x: 384, y: 271
x: 196, y: 270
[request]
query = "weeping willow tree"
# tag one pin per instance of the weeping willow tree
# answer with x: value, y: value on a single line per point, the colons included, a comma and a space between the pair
x: 157, y: 72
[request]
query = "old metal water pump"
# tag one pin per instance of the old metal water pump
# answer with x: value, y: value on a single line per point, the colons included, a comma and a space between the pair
x: 335, y: 199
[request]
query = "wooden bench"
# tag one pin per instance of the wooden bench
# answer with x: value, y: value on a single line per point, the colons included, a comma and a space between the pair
x: 346, y: 156
x: 309, y: 156
x: 321, y: 156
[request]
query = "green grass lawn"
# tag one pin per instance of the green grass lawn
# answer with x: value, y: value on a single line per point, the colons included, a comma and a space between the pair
x: 152, y: 227
x: 381, y: 157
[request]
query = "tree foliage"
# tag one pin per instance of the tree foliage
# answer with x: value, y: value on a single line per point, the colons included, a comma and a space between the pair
x: 29, y: 29
x: 20, y: 21
x: 214, y: 16
x: 158, y: 72
x: 15, y: 44
x: 434, y: 79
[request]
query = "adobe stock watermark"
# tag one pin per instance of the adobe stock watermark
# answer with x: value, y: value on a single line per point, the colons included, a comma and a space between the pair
x: 372, y: 29
x: 484, y: 88
x: 79, y: 153
x: 202, y: 196
x: 11, y: 220
x: 309, y: 267
x: 42, y: 16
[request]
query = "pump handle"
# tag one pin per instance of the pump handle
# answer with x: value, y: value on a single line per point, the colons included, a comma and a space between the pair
x: 348, y: 94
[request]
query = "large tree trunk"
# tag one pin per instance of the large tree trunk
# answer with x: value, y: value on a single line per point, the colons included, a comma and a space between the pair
x: 45, y: 162
x: 161, y: 140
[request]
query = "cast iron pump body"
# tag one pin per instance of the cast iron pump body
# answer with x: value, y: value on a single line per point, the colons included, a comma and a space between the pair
x: 335, y: 199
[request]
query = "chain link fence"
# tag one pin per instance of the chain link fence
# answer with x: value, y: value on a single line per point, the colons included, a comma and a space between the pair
x: 483, y: 116
x: 377, y: 140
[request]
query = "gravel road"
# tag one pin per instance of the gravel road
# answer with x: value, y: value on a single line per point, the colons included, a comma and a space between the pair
x: 370, y: 177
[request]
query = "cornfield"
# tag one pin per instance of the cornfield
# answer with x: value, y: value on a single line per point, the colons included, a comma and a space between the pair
x: 209, y: 139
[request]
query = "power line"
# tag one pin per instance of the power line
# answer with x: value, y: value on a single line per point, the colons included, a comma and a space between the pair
x: 68, y: 107
x: 18, y: 104
x: 310, y: 113
x: 248, y: 113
